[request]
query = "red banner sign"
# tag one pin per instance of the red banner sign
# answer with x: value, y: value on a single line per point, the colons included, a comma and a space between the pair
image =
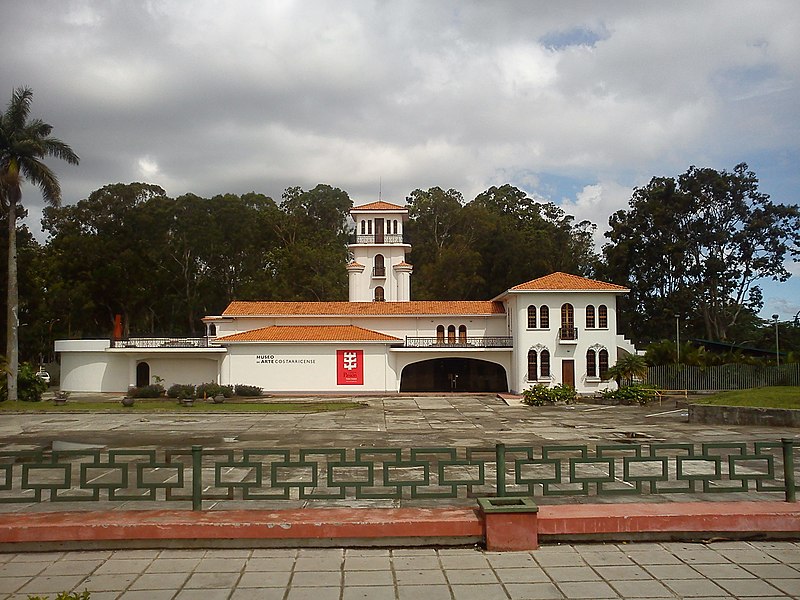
x: 350, y: 367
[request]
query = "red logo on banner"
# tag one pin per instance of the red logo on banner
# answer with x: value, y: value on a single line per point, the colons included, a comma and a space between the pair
x: 350, y: 367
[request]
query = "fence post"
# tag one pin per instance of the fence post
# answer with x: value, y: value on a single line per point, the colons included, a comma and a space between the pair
x: 788, y: 468
x: 197, y: 478
x: 500, y: 454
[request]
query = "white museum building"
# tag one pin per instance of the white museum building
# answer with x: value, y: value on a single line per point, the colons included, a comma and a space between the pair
x: 557, y: 329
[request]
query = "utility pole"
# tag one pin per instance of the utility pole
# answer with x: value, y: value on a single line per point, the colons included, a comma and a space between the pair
x: 777, y: 346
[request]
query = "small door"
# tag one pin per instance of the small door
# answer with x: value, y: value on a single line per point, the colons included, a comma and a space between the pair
x: 378, y: 231
x: 568, y: 373
x: 142, y: 374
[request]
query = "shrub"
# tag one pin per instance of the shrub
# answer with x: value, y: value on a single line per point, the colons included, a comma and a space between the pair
x: 84, y: 595
x: 538, y: 395
x: 155, y: 390
x: 29, y: 387
x: 247, y: 390
x: 209, y: 390
x: 632, y: 394
x: 182, y: 391
x: 564, y: 393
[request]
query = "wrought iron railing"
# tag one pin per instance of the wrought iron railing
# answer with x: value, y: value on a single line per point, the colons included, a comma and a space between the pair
x: 386, y: 238
x: 568, y: 334
x: 167, y: 342
x: 379, y: 271
x: 491, y: 341
x: 195, y: 474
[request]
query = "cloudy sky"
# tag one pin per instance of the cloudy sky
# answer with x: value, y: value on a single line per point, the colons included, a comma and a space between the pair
x: 575, y: 102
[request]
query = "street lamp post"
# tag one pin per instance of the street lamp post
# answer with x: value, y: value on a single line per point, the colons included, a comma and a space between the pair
x: 678, y: 337
x: 777, y: 346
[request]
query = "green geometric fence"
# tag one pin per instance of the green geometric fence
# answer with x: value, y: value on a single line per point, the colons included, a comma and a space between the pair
x: 722, y: 377
x: 195, y: 474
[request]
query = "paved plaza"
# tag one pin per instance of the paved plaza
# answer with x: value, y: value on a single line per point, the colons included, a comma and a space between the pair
x: 397, y: 421
x: 645, y: 570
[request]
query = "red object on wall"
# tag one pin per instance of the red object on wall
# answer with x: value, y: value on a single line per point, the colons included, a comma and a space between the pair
x: 350, y: 367
x: 117, y: 327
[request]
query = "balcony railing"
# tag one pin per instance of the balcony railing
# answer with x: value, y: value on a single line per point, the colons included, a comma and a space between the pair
x: 171, y: 342
x: 568, y: 334
x: 387, y: 238
x: 492, y: 341
x: 379, y: 271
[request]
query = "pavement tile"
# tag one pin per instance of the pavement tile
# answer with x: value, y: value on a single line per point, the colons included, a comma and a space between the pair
x: 702, y: 557
x: 269, y: 564
x: 466, y: 561
x: 728, y: 571
x: 587, y: 589
x: 770, y: 571
x: 533, y: 591
x: 420, y: 592
x: 320, y: 553
x: 672, y: 571
x: 368, y: 578
x: 212, y: 594
x: 414, y: 563
x: 623, y: 573
x: 789, y: 586
x: 130, y: 554
x: 258, y: 594
x: 212, y: 580
x: 560, y: 559
x: 790, y: 556
x: 51, y: 585
x: 418, y: 577
x: 21, y: 569
x: 122, y: 565
x: 182, y: 553
x: 511, y: 560
x: 171, y: 565
x: 747, y: 557
x: 320, y: 563
x: 147, y: 595
x: 606, y: 559
x: 572, y: 574
x: 370, y: 593
x: 367, y: 563
x: 69, y: 567
x: 641, y: 589
x: 473, y: 576
x: 316, y: 579
x: 414, y: 552
x: 748, y: 587
x: 273, y: 553
x: 654, y: 557
x: 351, y: 552
x: 221, y: 565
x: 478, y: 592
x: 317, y: 593
x: 103, y: 583
x: 688, y: 588
x: 264, y: 579
x: 522, y: 575
x: 229, y: 553
x: 12, y: 584
x: 36, y: 557
x: 160, y: 581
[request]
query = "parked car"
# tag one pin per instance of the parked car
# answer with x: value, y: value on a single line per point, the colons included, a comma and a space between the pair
x: 43, y: 375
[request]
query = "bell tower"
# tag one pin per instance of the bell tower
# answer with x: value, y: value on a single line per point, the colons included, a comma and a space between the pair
x: 379, y: 271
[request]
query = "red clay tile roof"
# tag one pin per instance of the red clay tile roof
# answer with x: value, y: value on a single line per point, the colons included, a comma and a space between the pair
x: 379, y: 206
x: 312, y: 333
x: 565, y: 281
x: 424, y: 307
x: 403, y: 264
x: 354, y: 264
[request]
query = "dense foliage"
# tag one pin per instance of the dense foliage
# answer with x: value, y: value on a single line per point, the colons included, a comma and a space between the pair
x: 541, y: 395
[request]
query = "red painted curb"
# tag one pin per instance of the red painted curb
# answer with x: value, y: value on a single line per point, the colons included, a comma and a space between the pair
x: 375, y: 524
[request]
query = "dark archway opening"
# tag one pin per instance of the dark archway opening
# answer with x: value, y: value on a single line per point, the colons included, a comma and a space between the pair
x: 453, y: 375
x: 142, y: 374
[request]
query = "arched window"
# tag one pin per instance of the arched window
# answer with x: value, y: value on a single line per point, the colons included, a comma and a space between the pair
x: 567, y: 322
x: 142, y: 374
x: 379, y: 269
x: 533, y: 366
x: 212, y: 330
x: 531, y: 317
x: 545, y: 356
x: 591, y: 363
x: 369, y: 227
x: 462, y: 334
x: 602, y: 316
x: 379, y: 294
x: 363, y: 227
x: 590, y: 317
x: 451, y: 334
x: 544, y: 317
x: 603, y: 360
x: 440, y: 334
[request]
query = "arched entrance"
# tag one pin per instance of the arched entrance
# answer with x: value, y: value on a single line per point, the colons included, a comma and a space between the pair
x: 453, y: 375
x: 142, y: 374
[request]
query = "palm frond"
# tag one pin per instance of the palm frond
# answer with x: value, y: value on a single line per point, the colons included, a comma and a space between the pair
x: 20, y: 107
x: 44, y: 177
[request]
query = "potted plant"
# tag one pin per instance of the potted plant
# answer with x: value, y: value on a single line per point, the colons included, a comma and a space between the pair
x: 61, y: 398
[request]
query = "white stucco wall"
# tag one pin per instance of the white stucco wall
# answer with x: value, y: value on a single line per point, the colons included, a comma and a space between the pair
x: 182, y: 369
x: 92, y: 370
x: 309, y: 367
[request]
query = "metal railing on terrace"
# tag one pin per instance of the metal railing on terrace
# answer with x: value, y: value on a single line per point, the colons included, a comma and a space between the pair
x: 492, y: 341
x: 386, y: 238
x: 165, y: 342
x: 193, y: 475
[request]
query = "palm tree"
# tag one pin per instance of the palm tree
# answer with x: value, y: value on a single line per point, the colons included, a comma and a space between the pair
x: 628, y: 368
x: 23, y: 143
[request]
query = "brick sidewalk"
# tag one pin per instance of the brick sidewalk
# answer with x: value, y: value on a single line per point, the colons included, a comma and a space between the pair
x: 644, y: 570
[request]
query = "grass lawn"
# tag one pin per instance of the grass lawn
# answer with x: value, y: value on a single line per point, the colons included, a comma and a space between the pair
x: 766, y: 397
x: 151, y: 405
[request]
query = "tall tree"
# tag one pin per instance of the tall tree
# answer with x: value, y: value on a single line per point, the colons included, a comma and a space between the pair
x: 24, y: 142
x: 695, y: 248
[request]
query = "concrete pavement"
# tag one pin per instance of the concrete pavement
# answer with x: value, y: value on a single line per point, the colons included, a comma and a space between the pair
x: 642, y: 570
